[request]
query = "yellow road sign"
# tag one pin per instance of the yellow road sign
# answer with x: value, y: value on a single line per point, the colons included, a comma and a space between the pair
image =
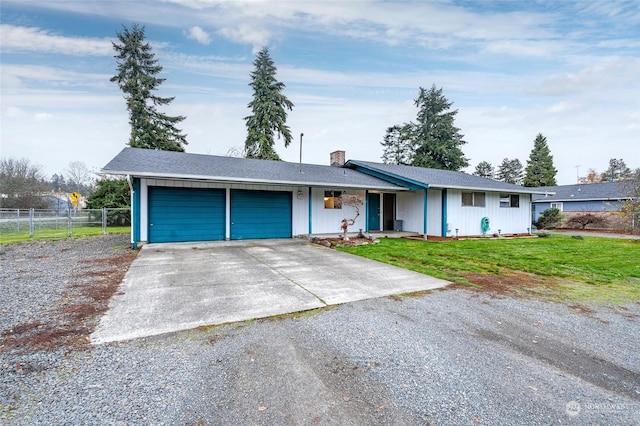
x: 74, y: 196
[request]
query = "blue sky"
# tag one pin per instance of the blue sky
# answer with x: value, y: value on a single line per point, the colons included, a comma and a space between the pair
x: 568, y: 70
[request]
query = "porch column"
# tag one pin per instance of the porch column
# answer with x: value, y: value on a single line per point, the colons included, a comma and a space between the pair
x: 444, y: 213
x: 424, y: 225
x: 136, y: 214
x: 310, y: 210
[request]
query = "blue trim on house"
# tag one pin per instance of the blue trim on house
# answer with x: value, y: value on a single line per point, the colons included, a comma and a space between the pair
x: 389, y: 177
x: 135, y: 212
x: 424, y: 225
x: 443, y: 232
x: 310, y: 209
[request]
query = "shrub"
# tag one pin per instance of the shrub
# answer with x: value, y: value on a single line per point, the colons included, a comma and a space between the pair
x: 548, y: 219
x: 582, y: 220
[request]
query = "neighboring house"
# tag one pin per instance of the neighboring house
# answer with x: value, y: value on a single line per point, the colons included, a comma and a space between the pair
x: 599, y: 198
x: 192, y: 197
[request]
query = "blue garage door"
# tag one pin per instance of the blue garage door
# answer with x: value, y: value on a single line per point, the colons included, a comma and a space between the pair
x: 186, y: 214
x: 260, y: 214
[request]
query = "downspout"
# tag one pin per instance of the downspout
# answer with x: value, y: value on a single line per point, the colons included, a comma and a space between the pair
x: 424, y: 225
x: 133, y: 222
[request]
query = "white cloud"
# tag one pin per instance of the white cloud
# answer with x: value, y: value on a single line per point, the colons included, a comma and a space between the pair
x: 434, y: 25
x: 44, y: 73
x: 566, y: 107
x: 30, y: 39
x: 620, y: 73
x: 43, y: 116
x: 525, y: 48
x: 11, y: 111
x: 198, y: 34
x: 246, y: 33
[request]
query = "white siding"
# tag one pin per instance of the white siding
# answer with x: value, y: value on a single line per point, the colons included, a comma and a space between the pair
x: 300, y: 211
x: 410, y: 208
x: 329, y: 221
x: 506, y: 219
x: 144, y: 210
x: 434, y: 212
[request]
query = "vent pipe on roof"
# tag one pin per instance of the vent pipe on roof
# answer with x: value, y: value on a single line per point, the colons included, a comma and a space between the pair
x: 301, y: 135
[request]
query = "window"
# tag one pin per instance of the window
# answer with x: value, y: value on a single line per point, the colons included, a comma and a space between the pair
x: 473, y: 199
x: 509, y: 200
x: 332, y: 200
x: 556, y: 206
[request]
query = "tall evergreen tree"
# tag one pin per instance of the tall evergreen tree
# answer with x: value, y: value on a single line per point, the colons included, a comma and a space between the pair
x: 437, y: 140
x: 398, y: 145
x: 510, y: 171
x: 484, y: 169
x: 137, y: 71
x: 617, y: 170
x: 540, y: 170
x: 268, y: 110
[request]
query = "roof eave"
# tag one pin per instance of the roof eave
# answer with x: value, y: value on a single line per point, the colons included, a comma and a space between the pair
x: 510, y: 190
x: 225, y: 179
x: 564, y: 200
x: 381, y: 174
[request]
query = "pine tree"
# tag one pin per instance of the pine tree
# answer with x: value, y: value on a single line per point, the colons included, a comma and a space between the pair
x: 136, y: 76
x: 617, y: 170
x: 540, y: 170
x: 268, y: 108
x: 484, y: 169
x: 437, y: 141
x: 510, y: 171
x: 397, y: 145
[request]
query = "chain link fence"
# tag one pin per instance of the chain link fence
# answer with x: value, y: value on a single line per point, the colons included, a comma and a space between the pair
x: 56, y: 224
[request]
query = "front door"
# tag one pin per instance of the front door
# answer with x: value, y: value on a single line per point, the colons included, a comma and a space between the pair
x: 373, y: 212
x: 389, y: 211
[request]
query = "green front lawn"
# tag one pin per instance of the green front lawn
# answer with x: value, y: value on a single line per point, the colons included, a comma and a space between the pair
x: 59, y: 234
x: 556, y: 267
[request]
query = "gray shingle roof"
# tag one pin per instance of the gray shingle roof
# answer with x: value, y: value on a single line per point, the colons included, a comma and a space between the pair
x: 167, y: 164
x: 436, y: 178
x: 593, y: 191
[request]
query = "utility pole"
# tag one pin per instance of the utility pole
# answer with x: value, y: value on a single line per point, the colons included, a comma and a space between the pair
x: 578, y: 173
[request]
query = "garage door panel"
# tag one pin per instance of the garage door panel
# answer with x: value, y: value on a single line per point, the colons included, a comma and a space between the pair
x: 260, y: 214
x: 186, y: 214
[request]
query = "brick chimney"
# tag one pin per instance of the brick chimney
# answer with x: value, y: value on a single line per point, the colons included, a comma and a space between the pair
x: 336, y: 158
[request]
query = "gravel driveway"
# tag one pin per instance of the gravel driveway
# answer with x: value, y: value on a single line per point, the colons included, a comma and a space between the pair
x: 448, y: 357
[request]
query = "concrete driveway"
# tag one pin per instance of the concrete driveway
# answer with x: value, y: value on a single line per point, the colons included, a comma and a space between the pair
x: 173, y: 287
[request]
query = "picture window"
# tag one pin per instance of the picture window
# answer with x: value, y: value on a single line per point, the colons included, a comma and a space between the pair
x: 332, y: 200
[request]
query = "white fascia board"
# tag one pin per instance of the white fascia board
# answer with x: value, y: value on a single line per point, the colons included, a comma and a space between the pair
x: 225, y: 179
x: 510, y: 191
x: 567, y: 200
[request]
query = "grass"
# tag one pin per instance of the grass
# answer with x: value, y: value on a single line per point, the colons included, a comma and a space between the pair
x: 558, y: 267
x: 59, y: 234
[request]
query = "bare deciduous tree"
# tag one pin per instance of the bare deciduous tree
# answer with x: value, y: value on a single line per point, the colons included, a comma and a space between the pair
x: 79, y: 176
x: 21, y: 184
x: 352, y: 201
x: 629, y: 207
x: 585, y: 219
